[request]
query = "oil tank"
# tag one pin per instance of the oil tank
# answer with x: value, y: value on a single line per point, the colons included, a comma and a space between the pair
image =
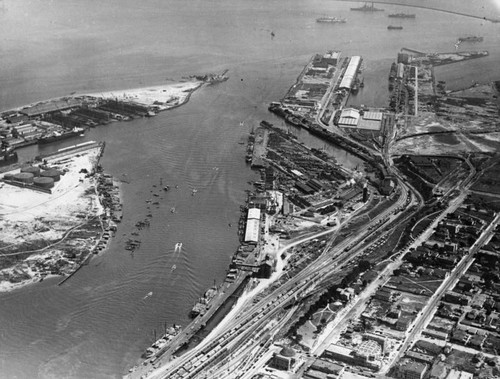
x: 8, y: 176
x: 51, y: 173
x: 44, y: 182
x: 24, y: 177
x: 31, y: 169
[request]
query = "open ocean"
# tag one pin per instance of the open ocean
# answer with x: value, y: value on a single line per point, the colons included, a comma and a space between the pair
x: 99, y: 322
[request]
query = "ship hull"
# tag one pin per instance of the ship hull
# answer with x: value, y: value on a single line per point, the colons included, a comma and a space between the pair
x: 60, y: 137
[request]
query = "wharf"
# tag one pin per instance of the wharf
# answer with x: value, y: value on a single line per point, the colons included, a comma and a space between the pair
x: 183, y: 338
x: 84, y: 263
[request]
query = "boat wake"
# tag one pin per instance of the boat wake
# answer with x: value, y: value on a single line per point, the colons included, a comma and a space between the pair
x: 178, y: 247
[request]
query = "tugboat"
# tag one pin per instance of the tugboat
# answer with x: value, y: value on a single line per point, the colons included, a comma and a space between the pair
x: 355, y: 87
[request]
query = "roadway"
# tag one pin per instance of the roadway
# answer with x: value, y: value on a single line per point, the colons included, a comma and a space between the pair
x: 427, y: 313
x: 251, y: 318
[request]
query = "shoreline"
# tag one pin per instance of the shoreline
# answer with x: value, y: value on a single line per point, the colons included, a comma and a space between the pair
x: 22, y: 272
x: 83, y: 238
x: 111, y: 94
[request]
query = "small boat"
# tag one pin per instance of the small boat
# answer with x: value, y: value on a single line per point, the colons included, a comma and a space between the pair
x: 148, y: 295
x: 178, y: 247
x: 392, y: 27
x: 193, y: 192
x: 470, y: 39
x: 172, y: 210
x: 166, y: 188
x: 173, y: 268
x: 331, y: 20
x: 402, y: 15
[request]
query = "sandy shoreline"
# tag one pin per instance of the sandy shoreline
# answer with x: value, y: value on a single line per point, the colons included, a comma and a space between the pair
x: 30, y: 219
x: 161, y: 97
x: 49, y: 234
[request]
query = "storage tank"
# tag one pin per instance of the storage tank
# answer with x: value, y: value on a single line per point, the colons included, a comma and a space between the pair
x: 31, y: 169
x: 51, y: 173
x: 24, y: 177
x: 44, y: 182
x: 8, y: 176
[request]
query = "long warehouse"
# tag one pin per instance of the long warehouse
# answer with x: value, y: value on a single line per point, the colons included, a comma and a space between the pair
x: 350, y: 73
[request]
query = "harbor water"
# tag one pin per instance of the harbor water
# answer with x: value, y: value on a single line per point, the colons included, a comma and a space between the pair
x: 98, y: 323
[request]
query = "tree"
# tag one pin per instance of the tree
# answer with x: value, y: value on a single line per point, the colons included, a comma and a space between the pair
x: 364, y: 265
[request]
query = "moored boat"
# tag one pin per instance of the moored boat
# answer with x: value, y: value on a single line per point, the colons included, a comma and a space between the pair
x: 60, y: 135
x: 402, y: 15
x: 367, y: 8
x: 331, y: 20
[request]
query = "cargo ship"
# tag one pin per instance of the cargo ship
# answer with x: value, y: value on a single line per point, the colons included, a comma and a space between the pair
x: 392, y: 27
x: 331, y: 20
x: 367, y: 8
x: 203, y: 303
x: 8, y: 155
x: 59, y: 135
x: 163, y: 342
x: 402, y: 15
x: 470, y: 39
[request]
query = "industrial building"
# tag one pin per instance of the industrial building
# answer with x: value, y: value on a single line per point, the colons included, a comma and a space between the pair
x: 285, y: 359
x: 368, y: 357
x: 412, y: 370
x: 353, y: 118
x: 53, y: 106
x: 349, y: 118
x: 350, y: 73
x: 253, y: 225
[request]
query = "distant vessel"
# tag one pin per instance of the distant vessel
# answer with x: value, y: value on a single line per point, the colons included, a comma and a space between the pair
x: 332, y: 20
x: 402, y: 15
x: 193, y: 192
x: 470, y: 39
x: 367, y: 8
x: 178, y: 247
x: 392, y: 27
x: 173, y: 268
x: 60, y: 135
x: 172, y: 210
x: 204, y: 302
x: 7, y: 155
x: 163, y: 342
x: 148, y: 295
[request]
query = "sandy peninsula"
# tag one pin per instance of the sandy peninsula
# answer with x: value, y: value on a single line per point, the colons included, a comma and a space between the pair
x: 51, y: 232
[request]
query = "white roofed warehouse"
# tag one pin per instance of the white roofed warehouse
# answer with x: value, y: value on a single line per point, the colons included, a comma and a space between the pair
x: 350, y: 73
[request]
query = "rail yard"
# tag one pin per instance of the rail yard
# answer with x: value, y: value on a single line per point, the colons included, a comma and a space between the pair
x: 347, y: 271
